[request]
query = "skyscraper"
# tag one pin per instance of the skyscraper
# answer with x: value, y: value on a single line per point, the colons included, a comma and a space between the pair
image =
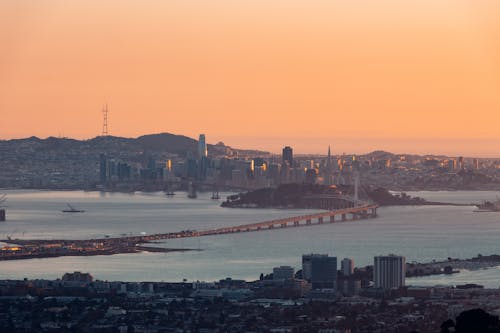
x: 288, y: 156
x: 320, y: 269
x: 347, y: 267
x: 324, y: 272
x: 389, y: 271
x: 329, y: 160
x: 202, y: 147
x: 328, y: 175
x: 103, y: 168
x: 306, y: 264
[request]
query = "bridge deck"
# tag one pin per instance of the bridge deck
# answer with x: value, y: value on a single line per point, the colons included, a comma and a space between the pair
x: 360, y: 210
x: 365, y: 211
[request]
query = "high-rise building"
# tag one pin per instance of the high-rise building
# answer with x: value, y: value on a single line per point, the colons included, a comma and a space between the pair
x: 306, y: 264
x: 329, y: 160
x: 475, y: 164
x: 461, y: 164
x: 324, y: 272
x: 202, y: 147
x: 283, y: 273
x: 288, y: 156
x: 347, y: 267
x: 103, y: 169
x: 320, y: 270
x: 389, y: 271
x: 328, y: 173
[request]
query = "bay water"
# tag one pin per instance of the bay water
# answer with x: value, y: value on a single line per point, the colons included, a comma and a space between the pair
x: 421, y: 233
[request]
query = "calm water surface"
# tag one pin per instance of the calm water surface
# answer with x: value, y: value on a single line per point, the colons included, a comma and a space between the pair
x: 419, y: 233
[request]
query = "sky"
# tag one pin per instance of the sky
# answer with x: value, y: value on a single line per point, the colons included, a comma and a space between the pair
x: 415, y: 76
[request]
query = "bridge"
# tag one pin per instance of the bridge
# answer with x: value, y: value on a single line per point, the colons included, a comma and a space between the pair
x: 367, y: 210
x: 131, y: 244
x: 331, y: 216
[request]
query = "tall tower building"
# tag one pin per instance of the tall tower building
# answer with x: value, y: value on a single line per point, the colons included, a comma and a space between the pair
x: 320, y: 269
x: 306, y: 264
x: 328, y: 174
x: 288, y: 156
x: 461, y: 165
x: 347, y: 267
x: 389, y: 271
x: 324, y: 272
x: 103, y: 169
x: 202, y: 147
x: 329, y: 159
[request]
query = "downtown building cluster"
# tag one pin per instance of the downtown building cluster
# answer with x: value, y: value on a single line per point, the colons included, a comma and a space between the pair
x: 144, y: 164
x: 224, y: 168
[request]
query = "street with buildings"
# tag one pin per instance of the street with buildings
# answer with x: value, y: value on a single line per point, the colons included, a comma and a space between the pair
x: 317, y: 298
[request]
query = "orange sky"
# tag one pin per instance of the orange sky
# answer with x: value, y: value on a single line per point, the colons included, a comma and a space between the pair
x: 405, y: 76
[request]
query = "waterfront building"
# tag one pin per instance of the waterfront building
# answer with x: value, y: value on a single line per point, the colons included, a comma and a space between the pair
x: 283, y: 273
x: 389, y: 271
x: 287, y: 156
x: 347, y: 267
x: 324, y: 272
x: 202, y: 147
x: 320, y: 270
x: 306, y: 264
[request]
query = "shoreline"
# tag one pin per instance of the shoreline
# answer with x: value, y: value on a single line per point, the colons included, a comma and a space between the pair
x: 91, y: 253
x: 237, y: 190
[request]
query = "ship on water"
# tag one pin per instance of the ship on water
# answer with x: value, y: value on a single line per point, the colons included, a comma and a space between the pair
x: 488, y: 206
x: 72, y: 209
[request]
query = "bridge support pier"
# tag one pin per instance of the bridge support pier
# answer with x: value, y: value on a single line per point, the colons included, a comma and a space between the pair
x: 296, y: 223
x: 344, y: 217
x: 320, y: 220
x: 332, y: 218
x: 308, y: 221
x: 283, y: 225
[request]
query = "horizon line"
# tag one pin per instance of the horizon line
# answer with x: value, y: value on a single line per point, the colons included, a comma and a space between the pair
x: 367, y: 152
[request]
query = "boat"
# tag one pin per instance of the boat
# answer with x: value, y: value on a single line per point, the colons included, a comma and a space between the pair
x: 72, y: 209
x: 488, y: 206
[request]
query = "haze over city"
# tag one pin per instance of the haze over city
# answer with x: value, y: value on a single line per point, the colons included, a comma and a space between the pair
x: 408, y: 77
x: 266, y: 166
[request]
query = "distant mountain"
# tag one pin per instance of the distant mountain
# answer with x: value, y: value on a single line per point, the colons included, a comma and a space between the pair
x: 151, y: 143
x: 178, y: 144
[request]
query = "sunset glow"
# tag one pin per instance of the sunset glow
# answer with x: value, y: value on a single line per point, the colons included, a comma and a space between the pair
x: 404, y: 76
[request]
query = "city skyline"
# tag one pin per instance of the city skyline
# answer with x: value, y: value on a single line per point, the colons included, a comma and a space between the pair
x: 323, y: 147
x: 413, y: 77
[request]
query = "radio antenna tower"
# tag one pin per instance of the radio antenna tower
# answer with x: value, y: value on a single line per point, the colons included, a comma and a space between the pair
x: 105, y: 120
